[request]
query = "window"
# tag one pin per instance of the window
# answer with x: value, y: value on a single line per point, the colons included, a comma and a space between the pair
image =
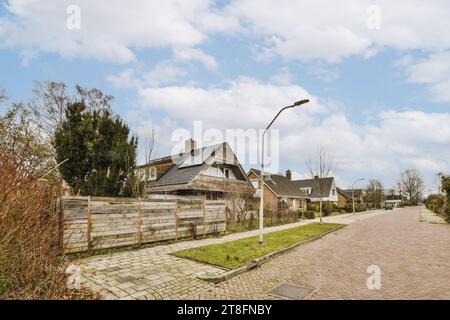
x: 152, y: 174
x: 141, y: 174
x: 227, y: 173
x: 334, y: 192
x: 308, y: 191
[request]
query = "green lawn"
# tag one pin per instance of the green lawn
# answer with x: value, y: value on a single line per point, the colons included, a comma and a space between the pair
x: 232, y: 255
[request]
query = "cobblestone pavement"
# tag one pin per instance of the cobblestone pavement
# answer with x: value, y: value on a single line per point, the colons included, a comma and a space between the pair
x: 414, y: 259
x: 152, y: 273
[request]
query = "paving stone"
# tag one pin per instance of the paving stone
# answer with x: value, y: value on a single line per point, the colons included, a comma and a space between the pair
x: 335, y: 265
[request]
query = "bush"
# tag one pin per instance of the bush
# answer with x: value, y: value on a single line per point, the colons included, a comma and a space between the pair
x: 327, y: 208
x: 32, y: 265
x: 310, y: 214
x: 313, y: 207
x: 435, y: 203
x: 446, y: 208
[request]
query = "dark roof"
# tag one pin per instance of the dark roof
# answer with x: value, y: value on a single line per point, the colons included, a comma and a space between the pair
x: 281, y: 185
x: 309, y: 183
x: 339, y: 190
x: 182, y: 173
x: 348, y: 192
x: 177, y: 175
x: 160, y: 160
x: 187, y: 165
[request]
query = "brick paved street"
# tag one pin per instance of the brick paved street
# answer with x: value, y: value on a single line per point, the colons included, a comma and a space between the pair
x: 152, y: 273
x: 414, y: 258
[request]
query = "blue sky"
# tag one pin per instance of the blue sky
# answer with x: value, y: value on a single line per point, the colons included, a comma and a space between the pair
x: 377, y: 72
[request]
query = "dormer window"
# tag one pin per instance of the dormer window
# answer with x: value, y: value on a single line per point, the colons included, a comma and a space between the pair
x: 152, y: 174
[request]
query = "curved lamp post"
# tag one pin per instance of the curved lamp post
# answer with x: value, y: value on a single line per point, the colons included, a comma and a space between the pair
x: 261, y: 200
x: 353, y: 192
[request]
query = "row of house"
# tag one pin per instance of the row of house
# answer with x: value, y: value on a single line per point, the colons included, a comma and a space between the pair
x: 214, y: 172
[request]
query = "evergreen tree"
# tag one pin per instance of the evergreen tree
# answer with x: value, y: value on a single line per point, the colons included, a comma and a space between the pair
x: 101, y: 156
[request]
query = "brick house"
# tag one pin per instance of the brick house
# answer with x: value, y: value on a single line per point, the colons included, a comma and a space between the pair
x: 278, y: 191
x: 359, y: 195
x: 212, y: 171
x: 309, y: 187
x: 343, y: 199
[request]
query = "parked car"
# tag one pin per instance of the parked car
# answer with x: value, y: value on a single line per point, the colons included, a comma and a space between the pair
x: 388, y: 206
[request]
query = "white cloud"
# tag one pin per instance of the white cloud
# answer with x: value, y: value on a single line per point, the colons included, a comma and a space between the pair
x: 163, y: 73
x: 284, y: 77
x: 295, y: 29
x: 392, y: 142
x: 323, y: 73
x: 110, y: 30
x: 333, y: 30
x: 253, y: 101
x: 197, y: 55
x: 434, y: 71
x: 125, y: 79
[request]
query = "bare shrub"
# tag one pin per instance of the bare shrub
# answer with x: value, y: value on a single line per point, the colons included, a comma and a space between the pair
x: 30, y: 264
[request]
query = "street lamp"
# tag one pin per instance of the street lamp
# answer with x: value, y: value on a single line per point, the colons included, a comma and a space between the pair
x: 261, y: 200
x: 353, y: 192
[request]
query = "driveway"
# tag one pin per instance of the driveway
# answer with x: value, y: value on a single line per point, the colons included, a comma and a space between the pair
x: 413, y: 258
x: 152, y: 273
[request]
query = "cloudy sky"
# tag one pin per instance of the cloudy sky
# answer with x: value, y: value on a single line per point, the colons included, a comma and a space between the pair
x: 377, y: 72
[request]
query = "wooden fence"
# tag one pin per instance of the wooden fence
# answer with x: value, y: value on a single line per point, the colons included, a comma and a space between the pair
x: 98, y: 223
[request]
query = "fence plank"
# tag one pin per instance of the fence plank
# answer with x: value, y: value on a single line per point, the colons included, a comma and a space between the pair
x: 176, y: 219
x: 139, y: 223
x: 89, y: 225
x: 92, y: 223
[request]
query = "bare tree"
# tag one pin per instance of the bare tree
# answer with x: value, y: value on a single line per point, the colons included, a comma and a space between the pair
x: 19, y: 136
x: 374, y: 193
x: 147, y: 150
x: 94, y: 99
x: 320, y: 168
x: 48, y: 104
x: 50, y: 99
x: 412, y: 185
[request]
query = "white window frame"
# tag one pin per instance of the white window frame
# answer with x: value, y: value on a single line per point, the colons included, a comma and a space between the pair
x: 151, y: 174
x: 225, y: 171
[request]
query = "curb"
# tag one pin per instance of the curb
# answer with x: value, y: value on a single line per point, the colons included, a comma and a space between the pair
x: 261, y: 260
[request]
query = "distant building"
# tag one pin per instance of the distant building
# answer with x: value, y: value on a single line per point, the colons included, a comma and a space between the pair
x: 279, y: 190
x: 358, y: 193
x: 309, y: 186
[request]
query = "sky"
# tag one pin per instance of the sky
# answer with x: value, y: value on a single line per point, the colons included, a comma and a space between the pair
x: 377, y: 73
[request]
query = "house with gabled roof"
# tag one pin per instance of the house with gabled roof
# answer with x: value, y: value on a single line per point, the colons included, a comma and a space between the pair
x: 309, y: 186
x: 357, y: 193
x: 211, y: 171
x: 279, y: 190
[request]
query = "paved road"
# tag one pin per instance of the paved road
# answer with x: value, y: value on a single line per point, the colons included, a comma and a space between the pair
x: 413, y: 257
x: 153, y: 273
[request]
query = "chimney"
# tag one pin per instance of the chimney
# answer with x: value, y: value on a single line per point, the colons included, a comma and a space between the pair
x: 289, y: 174
x: 190, y: 145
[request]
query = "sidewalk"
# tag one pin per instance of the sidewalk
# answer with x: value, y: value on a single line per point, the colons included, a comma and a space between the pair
x: 152, y: 273
x: 430, y: 217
